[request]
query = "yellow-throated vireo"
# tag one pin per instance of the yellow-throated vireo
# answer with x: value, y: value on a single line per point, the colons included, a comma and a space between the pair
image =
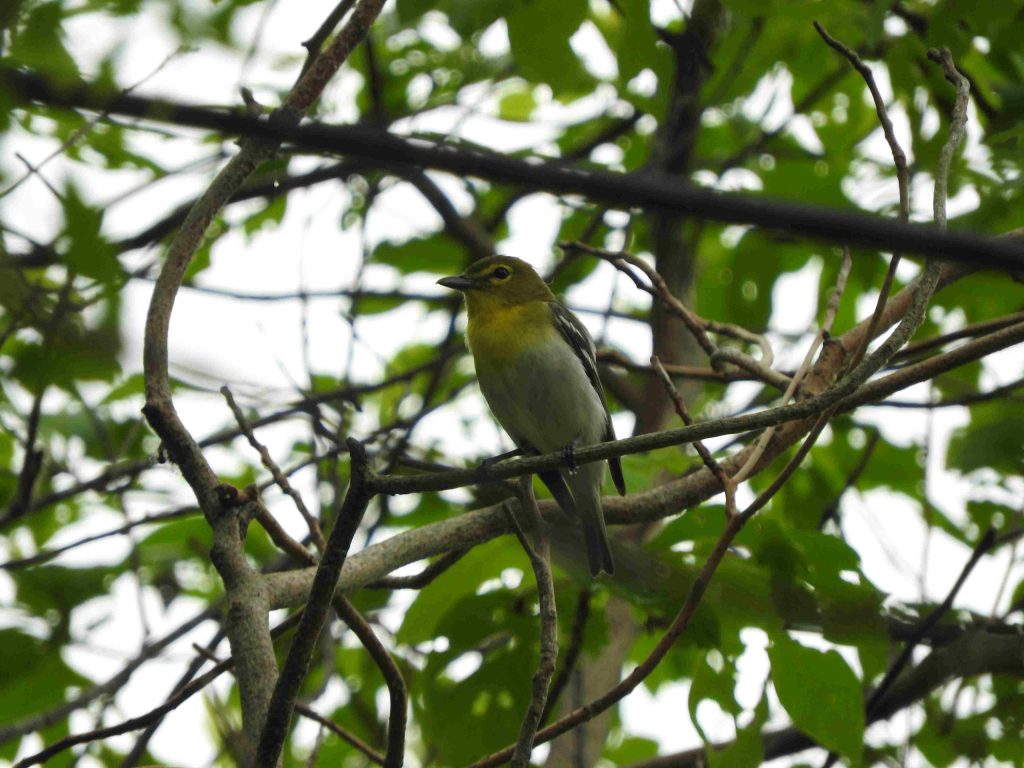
x: 537, y: 370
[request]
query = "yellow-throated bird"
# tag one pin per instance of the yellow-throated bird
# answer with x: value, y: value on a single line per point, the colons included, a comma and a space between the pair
x: 536, y: 366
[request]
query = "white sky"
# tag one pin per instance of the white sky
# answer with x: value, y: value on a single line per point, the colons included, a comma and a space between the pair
x: 257, y: 347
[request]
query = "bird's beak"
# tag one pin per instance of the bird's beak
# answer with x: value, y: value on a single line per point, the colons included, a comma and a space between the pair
x: 457, y: 282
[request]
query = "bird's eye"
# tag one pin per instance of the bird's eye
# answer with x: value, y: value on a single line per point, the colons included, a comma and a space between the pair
x: 502, y: 273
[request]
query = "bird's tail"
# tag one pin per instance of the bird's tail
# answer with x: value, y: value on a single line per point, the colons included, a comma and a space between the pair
x: 587, y: 495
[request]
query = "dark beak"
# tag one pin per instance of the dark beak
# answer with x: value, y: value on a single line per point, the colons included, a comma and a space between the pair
x: 457, y: 283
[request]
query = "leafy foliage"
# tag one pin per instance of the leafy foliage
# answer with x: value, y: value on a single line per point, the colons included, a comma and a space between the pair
x: 735, y: 95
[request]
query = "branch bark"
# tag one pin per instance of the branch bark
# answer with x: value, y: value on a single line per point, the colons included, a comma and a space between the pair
x: 645, y: 190
x: 282, y: 702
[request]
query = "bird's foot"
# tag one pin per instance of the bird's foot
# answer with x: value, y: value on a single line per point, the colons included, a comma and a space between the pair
x: 569, y: 457
x: 486, y: 465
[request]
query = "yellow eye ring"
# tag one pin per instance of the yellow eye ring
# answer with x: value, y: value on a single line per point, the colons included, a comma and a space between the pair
x: 502, y: 273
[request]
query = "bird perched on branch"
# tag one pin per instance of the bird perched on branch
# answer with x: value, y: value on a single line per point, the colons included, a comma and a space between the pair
x: 537, y: 370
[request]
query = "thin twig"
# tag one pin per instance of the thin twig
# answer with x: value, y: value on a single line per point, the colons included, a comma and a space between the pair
x: 572, y: 653
x: 275, y: 471
x: 282, y: 701
x: 399, y: 699
x: 142, y: 742
x: 728, y: 485
x: 698, y: 327
x: 110, y: 686
x: 899, y: 159
x: 968, y: 331
x: 957, y: 131
x: 153, y: 715
x: 424, y: 577
x: 31, y: 464
x: 832, y: 508
x: 345, y: 735
x: 756, y: 368
x: 316, y: 41
x: 540, y: 558
x: 831, y: 309
x: 277, y: 534
x: 623, y: 261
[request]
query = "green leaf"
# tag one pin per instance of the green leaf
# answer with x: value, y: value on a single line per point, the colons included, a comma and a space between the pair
x: 54, y: 587
x: 716, y: 684
x: 821, y: 694
x: 517, y: 104
x: 994, y: 439
x: 627, y: 28
x: 436, y: 253
x: 633, y: 749
x: 432, y: 605
x: 539, y: 34
x: 467, y: 18
x: 39, y: 42
x: 410, y: 10
x: 33, y: 677
x: 68, y: 359
x: 88, y: 251
x: 746, y: 750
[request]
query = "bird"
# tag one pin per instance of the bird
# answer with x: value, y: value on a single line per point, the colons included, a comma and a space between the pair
x: 537, y: 369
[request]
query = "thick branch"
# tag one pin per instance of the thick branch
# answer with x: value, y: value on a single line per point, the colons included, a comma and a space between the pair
x: 473, y: 528
x: 246, y: 621
x: 647, y: 190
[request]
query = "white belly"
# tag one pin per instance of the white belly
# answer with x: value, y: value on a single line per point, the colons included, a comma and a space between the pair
x: 545, y: 399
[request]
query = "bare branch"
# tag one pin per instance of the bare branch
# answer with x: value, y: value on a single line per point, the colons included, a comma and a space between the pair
x: 275, y: 471
x: 540, y: 560
x: 153, y: 715
x: 424, y: 577
x: 572, y: 653
x: 873, y: 706
x: 399, y: 699
x: 957, y: 131
x: 728, y: 485
x: 308, y: 712
x: 644, y: 190
x: 832, y: 307
x: 282, y: 701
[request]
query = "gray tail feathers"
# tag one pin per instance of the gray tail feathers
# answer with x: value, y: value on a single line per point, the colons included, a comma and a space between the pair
x: 599, y: 552
x: 588, y: 507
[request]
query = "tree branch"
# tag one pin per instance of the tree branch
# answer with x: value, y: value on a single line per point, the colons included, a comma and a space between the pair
x: 397, y: 694
x: 472, y: 528
x: 540, y: 560
x: 282, y: 701
x: 646, y: 190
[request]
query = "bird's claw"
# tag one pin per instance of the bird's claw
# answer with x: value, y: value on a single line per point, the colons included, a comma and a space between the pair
x: 483, y: 469
x: 569, y: 456
x: 486, y: 465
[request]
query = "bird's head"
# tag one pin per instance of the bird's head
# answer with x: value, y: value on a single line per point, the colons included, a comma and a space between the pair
x: 499, y: 280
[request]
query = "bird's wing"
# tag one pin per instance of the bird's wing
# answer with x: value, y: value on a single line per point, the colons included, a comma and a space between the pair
x: 578, y: 338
